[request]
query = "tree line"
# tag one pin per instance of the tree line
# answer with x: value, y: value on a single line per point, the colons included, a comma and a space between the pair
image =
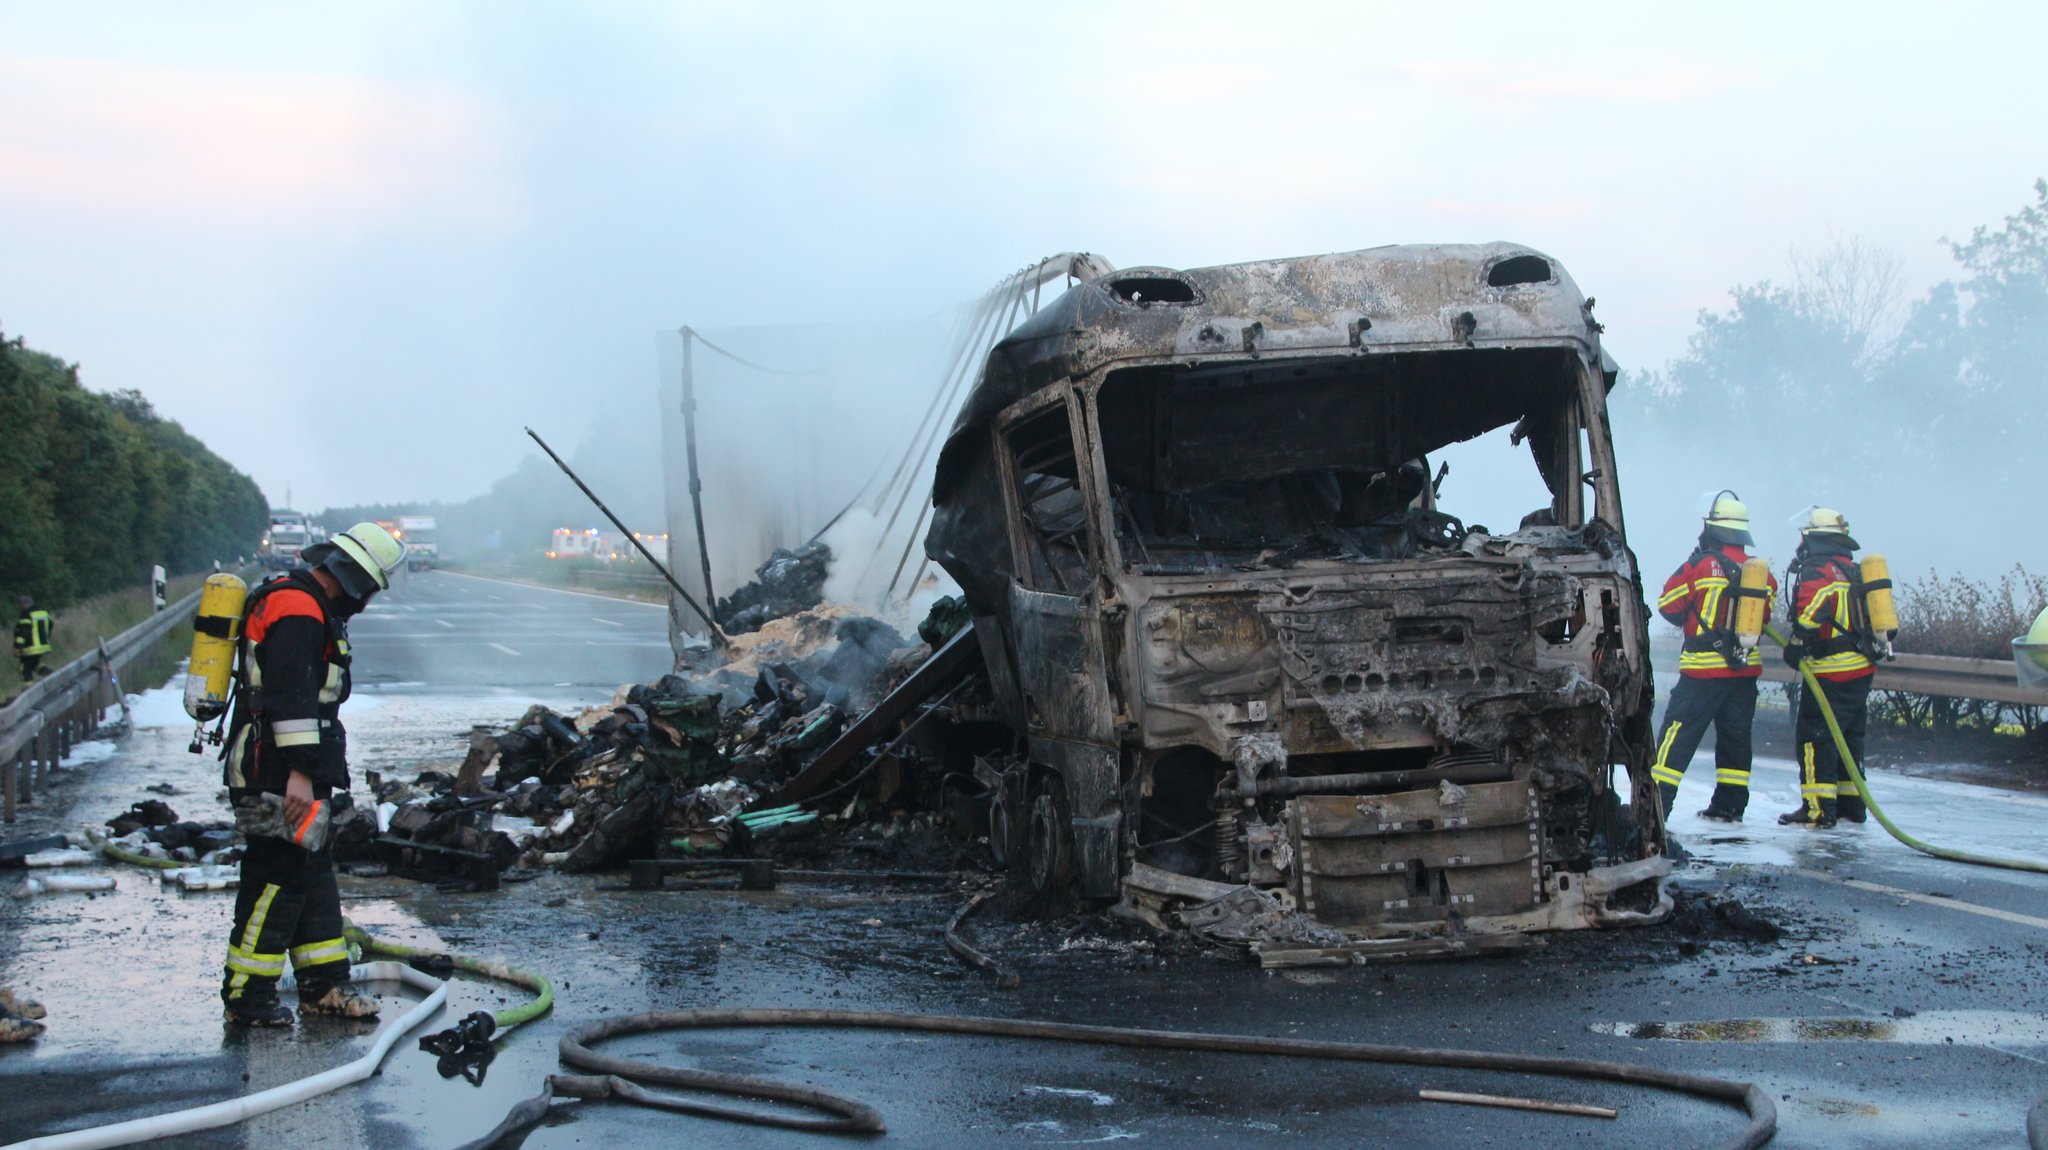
x: 95, y: 488
x: 1920, y: 417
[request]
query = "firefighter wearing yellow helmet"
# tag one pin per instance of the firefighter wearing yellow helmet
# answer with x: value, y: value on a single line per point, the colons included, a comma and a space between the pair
x: 1834, y: 636
x: 285, y: 740
x: 1718, y: 668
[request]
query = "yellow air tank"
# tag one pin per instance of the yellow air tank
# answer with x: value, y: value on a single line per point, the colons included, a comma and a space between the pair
x: 215, y: 632
x: 1878, y: 605
x: 1755, y: 601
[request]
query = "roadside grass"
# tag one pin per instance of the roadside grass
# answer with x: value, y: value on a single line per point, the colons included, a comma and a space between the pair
x: 81, y: 625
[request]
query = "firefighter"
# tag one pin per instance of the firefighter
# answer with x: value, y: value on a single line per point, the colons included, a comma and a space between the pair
x: 1830, y: 627
x: 285, y: 738
x: 32, y: 630
x: 1717, y: 673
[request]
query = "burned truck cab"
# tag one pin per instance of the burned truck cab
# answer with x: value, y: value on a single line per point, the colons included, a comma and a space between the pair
x: 1240, y: 642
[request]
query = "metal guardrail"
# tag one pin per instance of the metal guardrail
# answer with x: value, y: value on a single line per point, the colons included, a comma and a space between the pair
x: 1994, y: 680
x: 39, y: 728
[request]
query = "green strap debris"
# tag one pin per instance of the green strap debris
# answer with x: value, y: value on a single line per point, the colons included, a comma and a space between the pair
x: 544, y: 991
x: 132, y: 858
x: 1849, y: 764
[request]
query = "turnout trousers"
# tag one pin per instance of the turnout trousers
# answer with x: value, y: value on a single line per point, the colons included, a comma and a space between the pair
x: 1729, y: 705
x: 288, y: 906
x: 1824, y: 785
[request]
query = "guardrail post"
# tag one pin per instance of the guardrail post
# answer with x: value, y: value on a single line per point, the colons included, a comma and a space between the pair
x: 27, y: 782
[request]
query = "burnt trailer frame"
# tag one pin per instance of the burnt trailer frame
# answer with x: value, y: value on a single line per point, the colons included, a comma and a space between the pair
x: 1394, y: 724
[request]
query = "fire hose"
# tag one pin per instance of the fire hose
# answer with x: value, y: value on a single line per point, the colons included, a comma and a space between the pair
x: 414, y: 973
x: 1855, y: 772
x: 615, y: 1077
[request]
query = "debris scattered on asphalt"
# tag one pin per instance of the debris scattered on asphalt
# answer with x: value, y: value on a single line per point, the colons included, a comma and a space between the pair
x: 20, y: 1018
x: 64, y: 884
x: 1746, y: 922
x: 679, y: 768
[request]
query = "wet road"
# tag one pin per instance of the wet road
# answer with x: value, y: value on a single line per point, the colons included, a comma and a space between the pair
x: 130, y: 977
x: 448, y: 633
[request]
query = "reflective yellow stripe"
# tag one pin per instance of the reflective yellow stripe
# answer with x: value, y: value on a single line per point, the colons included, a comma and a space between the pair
x: 1659, y: 770
x: 1732, y: 777
x: 255, y: 965
x: 1711, y: 590
x: 1675, y: 594
x: 256, y: 917
x: 1809, y: 785
x: 1836, y: 591
x: 1702, y: 660
x: 295, y: 732
x: 1841, y: 661
x: 315, y: 953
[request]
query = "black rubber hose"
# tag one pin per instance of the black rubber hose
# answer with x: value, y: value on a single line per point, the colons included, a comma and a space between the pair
x: 972, y: 955
x: 853, y: 1116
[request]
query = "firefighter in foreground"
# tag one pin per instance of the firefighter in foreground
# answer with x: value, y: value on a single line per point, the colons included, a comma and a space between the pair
x: 32, y: 629
x: 1833, y: 635
x: 1720, y: 664
x: 285, y: 739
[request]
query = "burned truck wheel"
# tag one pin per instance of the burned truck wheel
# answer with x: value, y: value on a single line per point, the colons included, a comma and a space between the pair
x: 1002, y: 828
x: 1049, y: 841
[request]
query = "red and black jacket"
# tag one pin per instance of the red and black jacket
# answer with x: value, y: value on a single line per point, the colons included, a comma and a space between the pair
x: 1828, y: 613
x: 293, y: 677
x: 1700, y: 599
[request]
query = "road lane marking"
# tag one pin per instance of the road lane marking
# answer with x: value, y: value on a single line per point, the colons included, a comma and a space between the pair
x: 612, y: 599
x: 445, y: 623
x: 612, y: 622
x: 1929, y: 899
x: 507, y: 650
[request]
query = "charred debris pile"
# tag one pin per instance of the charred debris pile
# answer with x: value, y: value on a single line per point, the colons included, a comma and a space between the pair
x: 724, y: 759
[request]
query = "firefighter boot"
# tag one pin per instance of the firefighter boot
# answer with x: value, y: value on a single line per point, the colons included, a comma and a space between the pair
x: 1669, y: 794
x: 341, y: 1001
x: 1817, y: 813
x: 1727, y: 804
x: 1849, y: 805
x: 262, y: 1011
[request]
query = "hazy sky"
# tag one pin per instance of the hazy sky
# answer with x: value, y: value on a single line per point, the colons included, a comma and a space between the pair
x: 355, y: 247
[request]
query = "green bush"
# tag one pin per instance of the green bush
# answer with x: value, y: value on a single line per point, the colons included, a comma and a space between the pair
x: 97, y: 488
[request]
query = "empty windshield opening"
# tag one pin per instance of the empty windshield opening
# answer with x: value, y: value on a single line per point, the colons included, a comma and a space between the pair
x: 1267, y: 464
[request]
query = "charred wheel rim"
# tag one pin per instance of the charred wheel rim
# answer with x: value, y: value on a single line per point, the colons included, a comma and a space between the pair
x: 1050, y: 857
x: 1001, y: 828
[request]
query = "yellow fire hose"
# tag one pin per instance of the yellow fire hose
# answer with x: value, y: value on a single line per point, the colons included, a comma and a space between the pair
x: 1849, y: 764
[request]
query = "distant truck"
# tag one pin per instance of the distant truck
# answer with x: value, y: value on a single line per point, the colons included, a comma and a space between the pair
x: 417, y: 533
x: 290, y: 533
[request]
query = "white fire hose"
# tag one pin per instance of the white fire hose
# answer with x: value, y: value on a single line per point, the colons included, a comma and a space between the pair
x: 277, y: 1097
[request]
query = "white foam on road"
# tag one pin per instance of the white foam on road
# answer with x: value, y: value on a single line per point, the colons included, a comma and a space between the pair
x: 160, y: 706
x: 95, y: 751
x: 507, y: 650
x: 1952, y: 814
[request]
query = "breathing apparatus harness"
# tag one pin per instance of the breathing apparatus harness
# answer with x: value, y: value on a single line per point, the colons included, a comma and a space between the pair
x: 1856, y: 633
x: 1718, y: 634
x: 299, y: 579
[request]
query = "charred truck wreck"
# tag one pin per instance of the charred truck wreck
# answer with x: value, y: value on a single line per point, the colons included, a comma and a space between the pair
x: 1240, y: 643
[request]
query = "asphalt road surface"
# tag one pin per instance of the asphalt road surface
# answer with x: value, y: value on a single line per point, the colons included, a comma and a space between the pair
x: 447, y: 633
x: 1907, y: 1005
